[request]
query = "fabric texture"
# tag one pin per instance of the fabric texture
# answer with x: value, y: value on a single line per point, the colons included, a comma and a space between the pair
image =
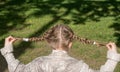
x: 58, y: 61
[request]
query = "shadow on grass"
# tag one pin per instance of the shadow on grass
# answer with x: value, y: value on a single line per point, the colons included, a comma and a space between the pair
x: 116, y: 26
x: 13, y: 15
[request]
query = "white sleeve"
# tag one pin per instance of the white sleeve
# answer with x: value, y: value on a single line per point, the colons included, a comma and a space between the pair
x: 109, y: 66
x: 9, y: 57
x: 86, y: 68
x: 14, y: 65
x: 12, y: 62
x: 113, y: 59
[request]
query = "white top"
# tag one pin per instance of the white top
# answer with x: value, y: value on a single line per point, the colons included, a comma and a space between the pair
x: 57, y: 61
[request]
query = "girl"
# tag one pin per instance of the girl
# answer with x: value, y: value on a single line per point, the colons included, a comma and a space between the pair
x: 60, y: 38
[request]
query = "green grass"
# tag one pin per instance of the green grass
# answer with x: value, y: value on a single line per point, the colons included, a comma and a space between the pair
x: 38, y: 19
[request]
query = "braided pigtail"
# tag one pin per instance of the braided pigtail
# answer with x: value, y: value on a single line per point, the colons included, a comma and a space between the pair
x: 31, y: 39
x: 45, y: 36
x: 87, y: 41
x: 36, y: 39
x: 83, y: 40
x: 60, y: 36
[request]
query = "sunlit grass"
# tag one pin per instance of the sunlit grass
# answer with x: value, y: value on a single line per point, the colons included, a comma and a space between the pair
x: 94, y: 30
x: 92, y: 55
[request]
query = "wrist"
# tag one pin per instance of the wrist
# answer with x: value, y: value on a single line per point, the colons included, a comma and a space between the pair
x: 113, y: 56
x: 4, y: 51
x: 7, y: 53
x: 8, y: 45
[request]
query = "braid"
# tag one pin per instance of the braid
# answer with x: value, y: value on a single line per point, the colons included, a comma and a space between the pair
x: 42, y: 38
x: 83, y: 40
x: 87, y: 41
x: 36, y: 39
x: 60, y: 33
x: 31, y: 39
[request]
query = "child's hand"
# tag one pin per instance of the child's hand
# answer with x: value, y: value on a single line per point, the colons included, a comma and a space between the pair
x: 9, y: 40
x: 8, y: 47
x: 111, y: 46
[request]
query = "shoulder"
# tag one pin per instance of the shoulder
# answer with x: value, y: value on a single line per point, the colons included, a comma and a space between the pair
x: 37, y: 60
x: 40, y: 59
x: 76, y: 66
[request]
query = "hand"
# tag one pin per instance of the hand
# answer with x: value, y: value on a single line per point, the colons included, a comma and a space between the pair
x: 8, y: 47
x: 9, y: 40
x: 112, y: 46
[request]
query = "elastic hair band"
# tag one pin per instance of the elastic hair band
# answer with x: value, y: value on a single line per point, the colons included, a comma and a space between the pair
x: 25, y: 39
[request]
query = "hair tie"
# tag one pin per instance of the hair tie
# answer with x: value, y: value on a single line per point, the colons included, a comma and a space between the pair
x: 25, y: 39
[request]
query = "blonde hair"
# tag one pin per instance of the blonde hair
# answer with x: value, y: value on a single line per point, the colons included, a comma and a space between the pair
x: 60, y: 36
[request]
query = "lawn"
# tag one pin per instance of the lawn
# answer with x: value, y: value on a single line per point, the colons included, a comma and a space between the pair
x: 99, y: 21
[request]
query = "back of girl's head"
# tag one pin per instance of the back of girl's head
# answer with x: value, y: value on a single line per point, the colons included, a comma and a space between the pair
x: 59, y: 36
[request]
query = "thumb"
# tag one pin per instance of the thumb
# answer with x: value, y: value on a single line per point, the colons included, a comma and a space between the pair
x: 10, y: 39
x: 109, y: 47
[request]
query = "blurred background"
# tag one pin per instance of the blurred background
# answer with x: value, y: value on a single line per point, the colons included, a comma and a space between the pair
x: 95, y: 20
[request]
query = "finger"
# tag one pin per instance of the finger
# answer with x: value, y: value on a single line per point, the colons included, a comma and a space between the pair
x: 13, y: 40
x: 10, y: 39
x: 108, y: 46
